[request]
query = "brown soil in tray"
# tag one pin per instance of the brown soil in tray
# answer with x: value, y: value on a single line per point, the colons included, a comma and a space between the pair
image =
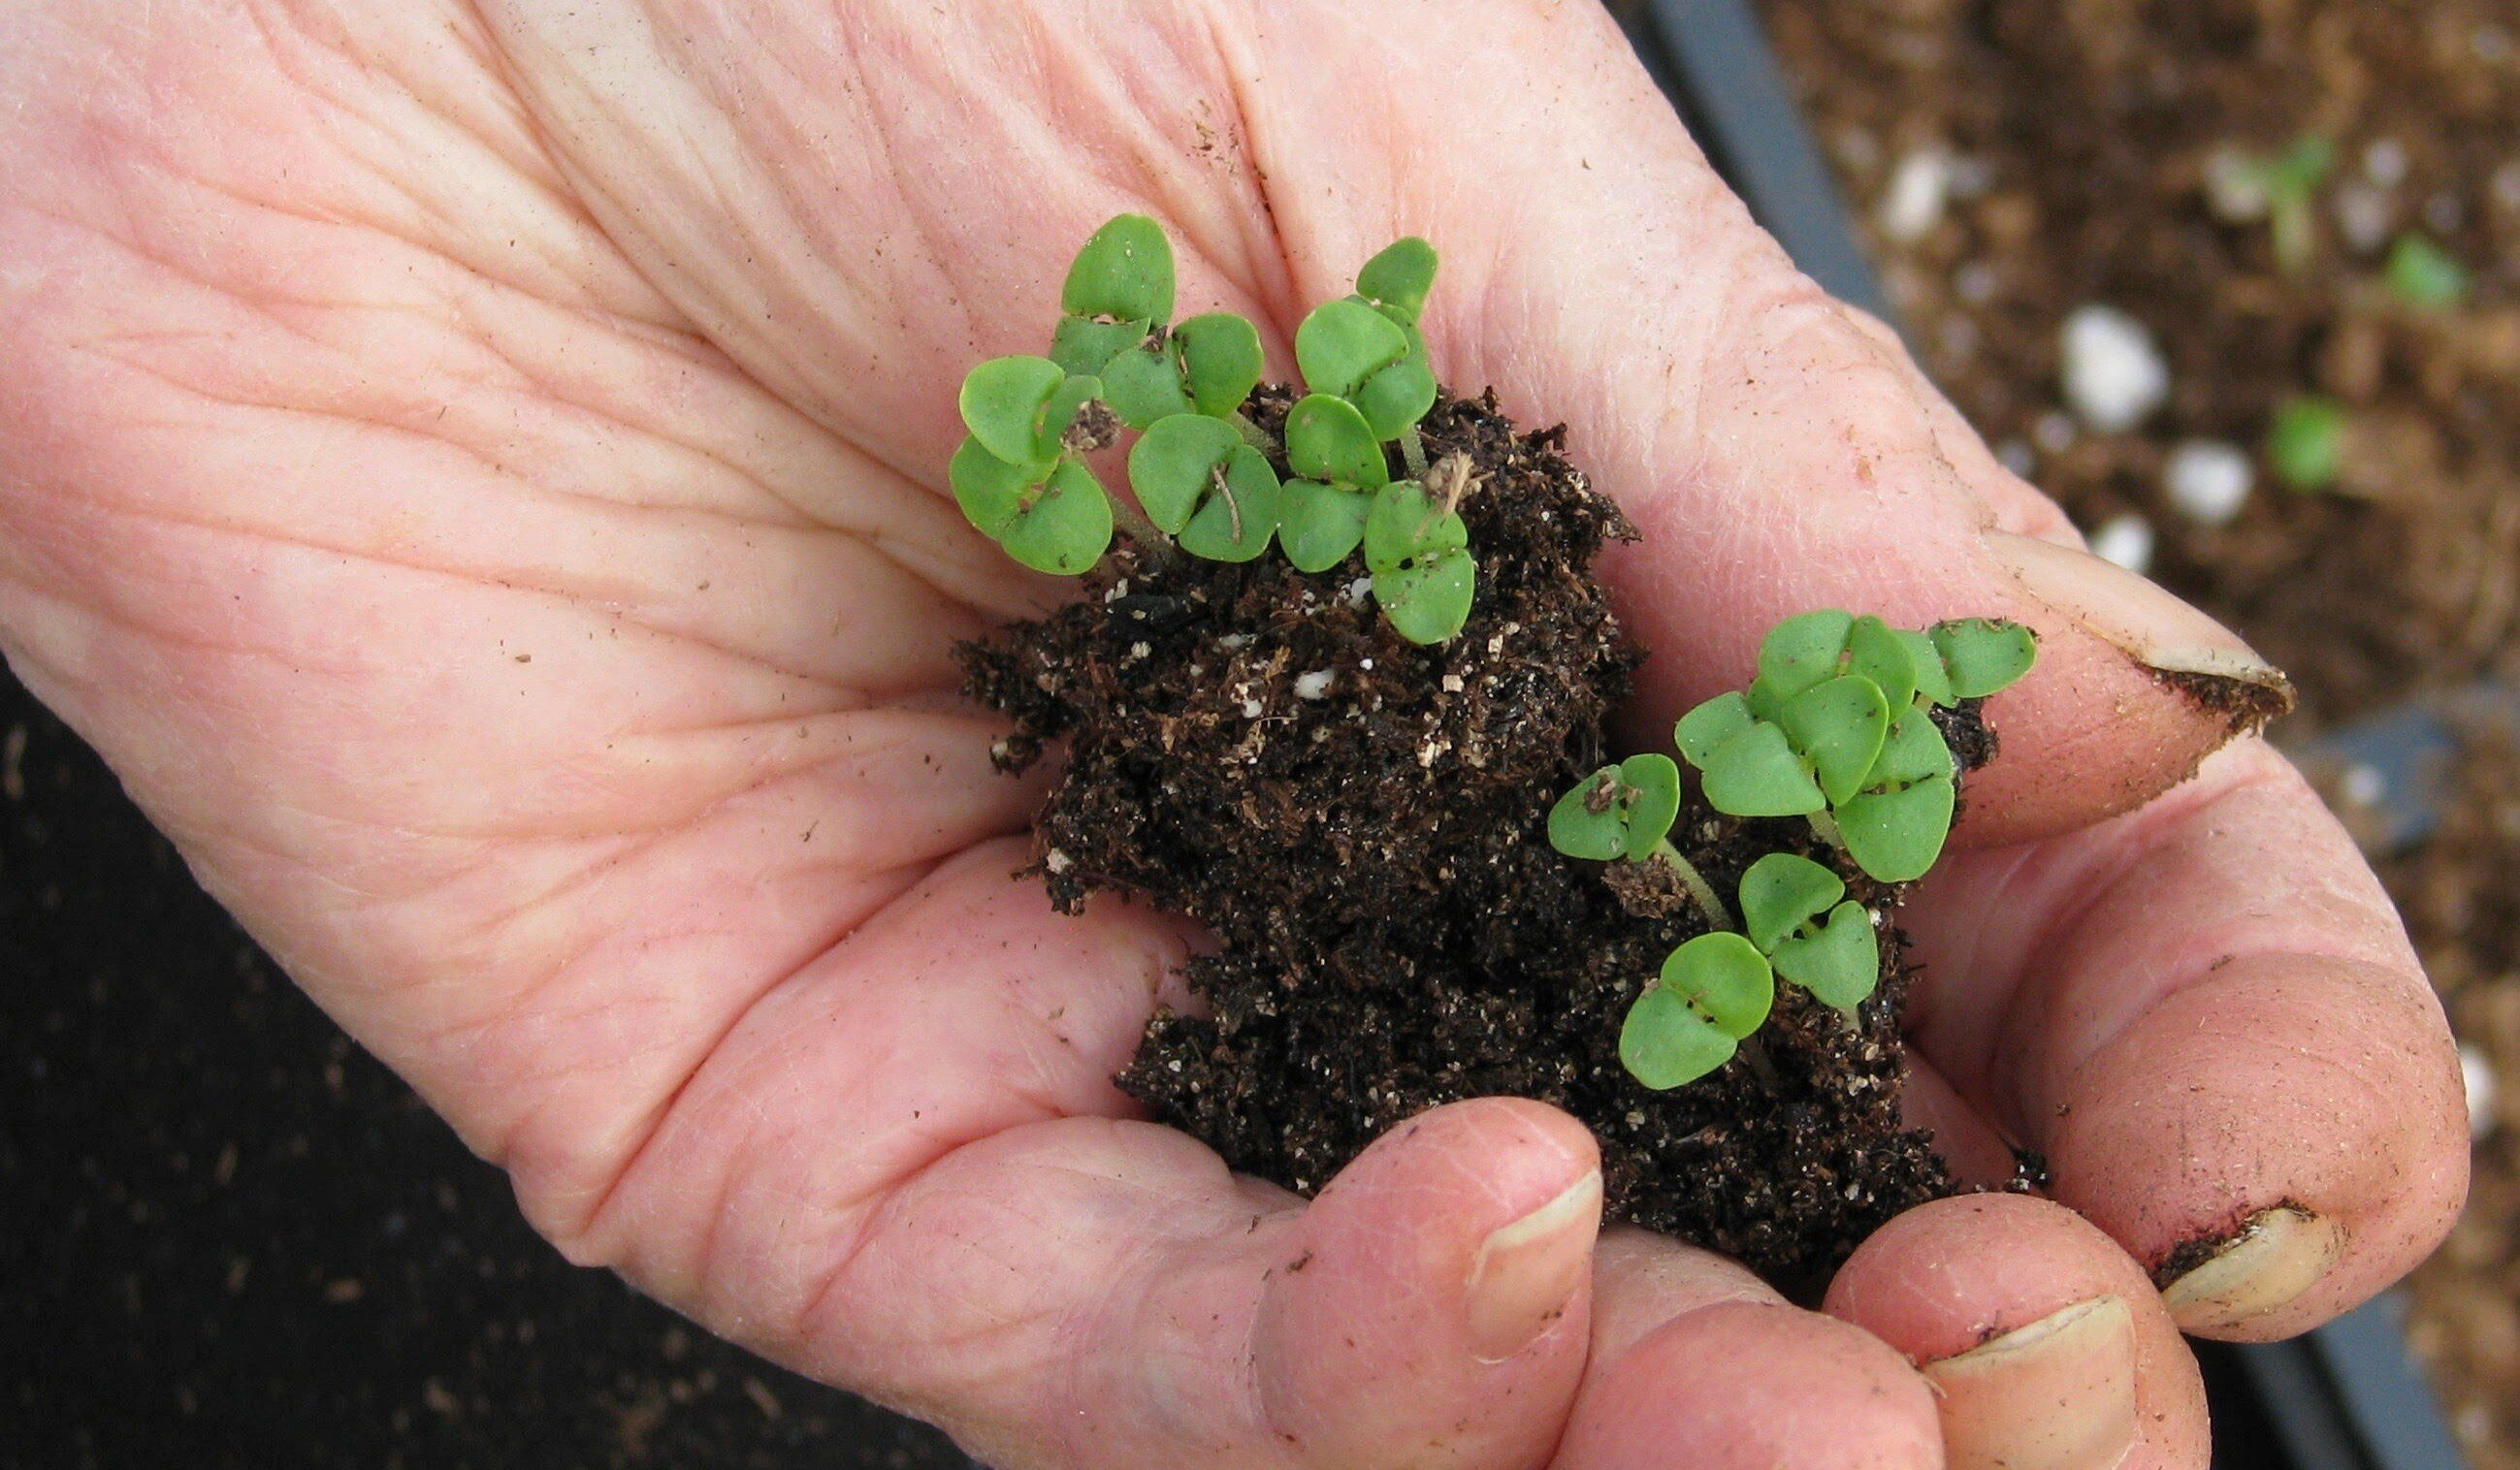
x: 2078, y: 135
x: 1395, y: 930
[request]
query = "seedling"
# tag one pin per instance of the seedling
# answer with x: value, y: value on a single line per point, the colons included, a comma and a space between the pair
x: 1796, y: 911
x: 1116, y: 305
x: 1716, y: 989
x: 2423, y: 275
x: 1019, y: 476
x: 1197, y: 478
x: 1624, y: 813
x: 2305, y: 443
x: 1836, y: 729
x: 2281, y: 188
x: 1202, y: 469
x: 1367, y: 349
x: 1419, y: 552
x: 1338, y: 467
x: 1713, y: 992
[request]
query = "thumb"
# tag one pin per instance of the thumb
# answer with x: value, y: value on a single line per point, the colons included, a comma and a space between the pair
x: 1776, y: 452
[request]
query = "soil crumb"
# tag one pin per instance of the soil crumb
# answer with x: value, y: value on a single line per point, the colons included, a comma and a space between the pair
x: 1360, y: 821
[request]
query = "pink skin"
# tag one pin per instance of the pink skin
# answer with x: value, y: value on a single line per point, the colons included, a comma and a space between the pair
x: 477, y: 474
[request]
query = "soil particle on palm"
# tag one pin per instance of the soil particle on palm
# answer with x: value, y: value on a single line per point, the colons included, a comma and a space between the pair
x: 1359, y: 820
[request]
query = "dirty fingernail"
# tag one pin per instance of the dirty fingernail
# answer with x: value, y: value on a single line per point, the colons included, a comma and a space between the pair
x: 2137, y: 616
x: 2279, y: 1255
x: 1527, y: 1271
x: 2056, y: 1395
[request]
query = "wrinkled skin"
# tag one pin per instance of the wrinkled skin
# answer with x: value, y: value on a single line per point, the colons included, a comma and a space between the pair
x: 477, y: 474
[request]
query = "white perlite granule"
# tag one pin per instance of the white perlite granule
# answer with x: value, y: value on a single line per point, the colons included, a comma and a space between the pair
x: 2113, y: 373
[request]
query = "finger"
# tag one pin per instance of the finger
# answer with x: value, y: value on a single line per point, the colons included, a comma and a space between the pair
x: 1136, y: 1305
x: 2047, y: 1347
x: 907, y: 1171
x: 1696, y: 1361
x: 2208, y: 1018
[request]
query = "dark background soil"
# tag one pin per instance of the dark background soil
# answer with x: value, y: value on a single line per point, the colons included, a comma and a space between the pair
x: 230, y: 1239
x: 2078, y: 128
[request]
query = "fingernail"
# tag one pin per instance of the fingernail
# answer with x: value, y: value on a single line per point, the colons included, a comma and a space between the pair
x: 2143, y: 620
x: 1527, y: 1271
x: 2056, y: 1395
x: 2279, y: 1255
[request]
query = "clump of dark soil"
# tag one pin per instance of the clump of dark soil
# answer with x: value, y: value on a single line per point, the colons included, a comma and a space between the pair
x: 1360, y: 821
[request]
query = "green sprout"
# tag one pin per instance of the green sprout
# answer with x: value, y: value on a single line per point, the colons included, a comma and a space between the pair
x: 1624, y: 813
x: 1796, y: 911
x: 1019, y: 476
x: 1716, y: 989
x: 1836, y: 729
x: 1713, y: 992
x: 1118, y: 304
x: 1419, y: 552
x: 1201, y: 469
x: 1197, y: 479
x: 2281, y: 188
x: 1393, y: 391
x: 1338, y: 467
x: 2423, y: 275
x: 2306, y: 442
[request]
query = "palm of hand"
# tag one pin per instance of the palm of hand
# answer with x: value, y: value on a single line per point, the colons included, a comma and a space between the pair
x: 477, y: 476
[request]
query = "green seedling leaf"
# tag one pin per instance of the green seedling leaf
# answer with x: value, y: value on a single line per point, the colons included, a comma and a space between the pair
x: 1219, y: 360
x: 1398, y: 279
x: 1326, y: 439
x: 1703, y: 729
x: 1124, y: 272
x: 1144, y: 387
x: 1343, y: 344
x: 1197, y: 478
x: 1665, y: 1043
x: 1875, y: 650
x: 2423, y: 275
x: 1428, y: 599
x: 1840, y: 962
x: 1591, y: 821
x: 991, y: 491
x: 2305, y: 443
x: 1236, y: 522
x: 1984, y: 656
x: 1423, y: 577
x: 1915, y: 751
x: 1724, y: 979
x: 1171, y: 467
x: 1619, y: 810
x: 1782, y: 892
x: 1002, y: 404
x: 1839, y: 725
x: 1083, y: 345
x: 1068, y: 528
x: 1933, y: 681
x: 1397, y: 397
x: 1319, y: 524
x: 2301, y: 168
x: 1896, y: 835
x: 1756, y: 774
x: 1802, y: 651
x: 1405, y: 524
x: 1654, y: 805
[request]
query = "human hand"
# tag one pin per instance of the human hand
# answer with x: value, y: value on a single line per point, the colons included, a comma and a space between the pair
x: 477, y: 476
